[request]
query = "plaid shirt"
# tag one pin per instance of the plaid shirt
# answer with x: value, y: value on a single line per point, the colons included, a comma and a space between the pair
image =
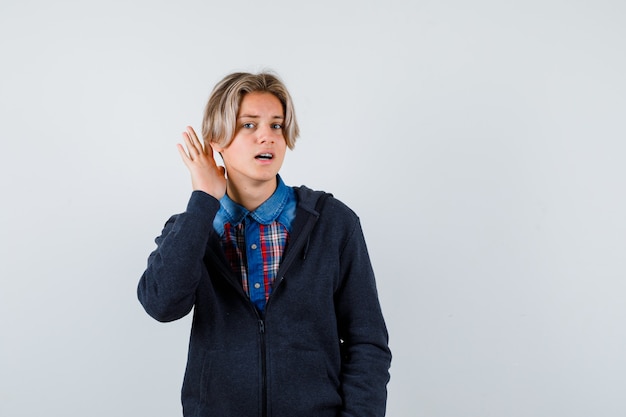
x: 254, y: 242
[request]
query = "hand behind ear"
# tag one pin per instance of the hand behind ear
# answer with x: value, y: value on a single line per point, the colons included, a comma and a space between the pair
x: 206, y: 175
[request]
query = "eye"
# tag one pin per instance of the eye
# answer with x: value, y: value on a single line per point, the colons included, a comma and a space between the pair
x: 248, y: 125
x: 277, y: 126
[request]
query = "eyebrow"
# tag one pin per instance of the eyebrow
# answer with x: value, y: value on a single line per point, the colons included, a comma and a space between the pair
x: 254, y: 116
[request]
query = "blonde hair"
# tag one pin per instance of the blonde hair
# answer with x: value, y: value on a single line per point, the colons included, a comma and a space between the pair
x: 219, y: 124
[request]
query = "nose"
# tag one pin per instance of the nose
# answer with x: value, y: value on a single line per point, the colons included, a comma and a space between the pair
x: 265, y: 134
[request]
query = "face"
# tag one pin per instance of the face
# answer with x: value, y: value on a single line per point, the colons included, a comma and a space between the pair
x: 257, y: 151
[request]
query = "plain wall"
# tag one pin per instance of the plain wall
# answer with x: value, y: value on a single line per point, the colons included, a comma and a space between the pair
x: 481, y: 142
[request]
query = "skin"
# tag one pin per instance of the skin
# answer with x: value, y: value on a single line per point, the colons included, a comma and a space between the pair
x: 250, y: 180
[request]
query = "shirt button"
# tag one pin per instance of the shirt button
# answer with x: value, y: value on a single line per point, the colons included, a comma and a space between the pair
x: 253, y: 246
x: 257, y: 285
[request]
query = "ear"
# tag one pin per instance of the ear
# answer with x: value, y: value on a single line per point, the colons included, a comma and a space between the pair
x: 216, y: 147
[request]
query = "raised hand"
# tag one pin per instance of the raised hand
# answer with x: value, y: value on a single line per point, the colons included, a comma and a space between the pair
x: 206, y: 175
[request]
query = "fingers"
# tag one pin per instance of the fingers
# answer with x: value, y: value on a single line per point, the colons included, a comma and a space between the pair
x: 206, y: 175
x: 191, y: 135
x: 183, y: 154
x: 193, y: 151
x: 193, y: 145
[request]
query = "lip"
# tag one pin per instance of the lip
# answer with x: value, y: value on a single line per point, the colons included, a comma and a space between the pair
x: 265, y: 156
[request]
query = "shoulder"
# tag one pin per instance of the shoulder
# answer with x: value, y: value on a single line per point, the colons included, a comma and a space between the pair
x: 324, y: 204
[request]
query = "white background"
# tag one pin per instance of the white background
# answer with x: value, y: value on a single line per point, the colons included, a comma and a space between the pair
x: 481, y: 142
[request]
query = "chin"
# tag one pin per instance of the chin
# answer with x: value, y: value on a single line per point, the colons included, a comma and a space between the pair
x: 268, y: 177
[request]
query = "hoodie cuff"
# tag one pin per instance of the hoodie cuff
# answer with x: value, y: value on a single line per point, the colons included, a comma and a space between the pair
x: 202, y: 203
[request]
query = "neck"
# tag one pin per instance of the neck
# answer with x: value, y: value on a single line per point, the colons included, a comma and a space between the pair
x: 251, y: 196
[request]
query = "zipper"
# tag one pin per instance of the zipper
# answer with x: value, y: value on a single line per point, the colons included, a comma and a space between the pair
x: 263, y: 369
x: 288, y: 259
x: 237, y: 286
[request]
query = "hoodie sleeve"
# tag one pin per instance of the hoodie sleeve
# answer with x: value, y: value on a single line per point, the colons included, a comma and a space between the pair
x: 366, y: 358
x: 167, y: 287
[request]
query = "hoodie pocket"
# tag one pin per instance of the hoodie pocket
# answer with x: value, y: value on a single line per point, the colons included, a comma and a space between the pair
x: 300, y: 385
x: 229, y: 384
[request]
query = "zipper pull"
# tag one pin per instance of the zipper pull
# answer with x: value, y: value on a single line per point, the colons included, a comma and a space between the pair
x: 261, y: 326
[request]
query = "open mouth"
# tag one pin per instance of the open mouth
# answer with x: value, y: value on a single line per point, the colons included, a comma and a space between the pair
x: 264, y: 156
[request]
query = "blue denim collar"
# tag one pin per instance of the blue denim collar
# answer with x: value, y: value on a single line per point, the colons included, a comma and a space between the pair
x: 266, y: 213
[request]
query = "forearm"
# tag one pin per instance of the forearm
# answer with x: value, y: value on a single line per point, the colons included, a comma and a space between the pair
x: 364, y: 378
x: 168, y: 285
x: 367, y: 358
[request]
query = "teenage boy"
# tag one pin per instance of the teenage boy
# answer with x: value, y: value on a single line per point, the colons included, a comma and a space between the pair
x: 286, y: 320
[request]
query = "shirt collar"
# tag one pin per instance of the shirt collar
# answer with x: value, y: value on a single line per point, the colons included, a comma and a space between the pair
x: 266, y: 213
